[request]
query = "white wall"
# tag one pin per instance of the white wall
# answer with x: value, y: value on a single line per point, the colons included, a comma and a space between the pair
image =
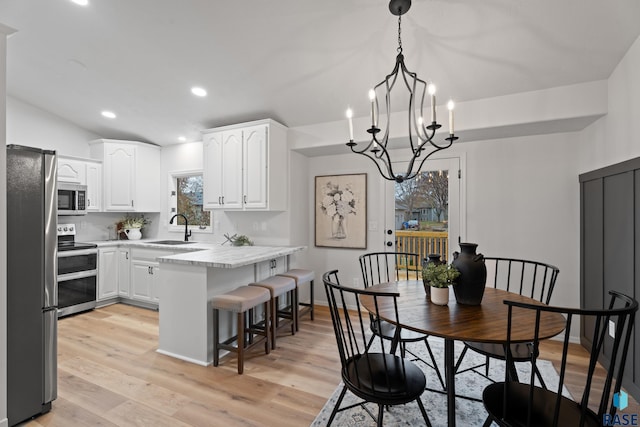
x: 29, y: 125
x: 522, y: 192
x: 267, y: 228
x: 616, y: 137
x: 522, y: 202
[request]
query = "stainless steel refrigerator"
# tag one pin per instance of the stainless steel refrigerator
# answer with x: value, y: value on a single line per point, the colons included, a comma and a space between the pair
x: 32, y: 296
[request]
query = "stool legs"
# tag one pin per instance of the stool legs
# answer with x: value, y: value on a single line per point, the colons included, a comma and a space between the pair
x: 245, y: 325
x: 308, y: 306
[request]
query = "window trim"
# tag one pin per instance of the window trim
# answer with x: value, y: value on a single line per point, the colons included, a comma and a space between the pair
x: 172, y: 205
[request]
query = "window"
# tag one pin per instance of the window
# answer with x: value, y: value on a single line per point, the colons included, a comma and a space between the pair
x: 186, y: 199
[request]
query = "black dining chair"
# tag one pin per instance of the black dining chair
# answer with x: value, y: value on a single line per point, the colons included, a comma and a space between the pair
x: 375, y: 376
x: 529, y: 278
x: 381, y: 267
x: 512, y: 403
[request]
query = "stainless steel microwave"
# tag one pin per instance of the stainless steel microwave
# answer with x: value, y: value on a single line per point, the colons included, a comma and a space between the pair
x: 72, y: 199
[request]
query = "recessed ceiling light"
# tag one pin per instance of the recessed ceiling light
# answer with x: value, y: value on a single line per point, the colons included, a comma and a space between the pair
x: 182, y: 139
x: 81, y: 2
x: 198, y: 91
x: 109, y: 114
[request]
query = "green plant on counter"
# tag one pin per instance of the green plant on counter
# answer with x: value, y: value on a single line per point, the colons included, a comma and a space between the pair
x: 440, y: 275
x: 130, y: 221
x: 236, y: 240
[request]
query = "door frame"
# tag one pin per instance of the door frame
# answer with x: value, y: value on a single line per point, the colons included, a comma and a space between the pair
x: 389, y: 197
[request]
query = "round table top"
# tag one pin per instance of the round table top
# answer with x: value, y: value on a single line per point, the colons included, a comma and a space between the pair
x: 486, y: 322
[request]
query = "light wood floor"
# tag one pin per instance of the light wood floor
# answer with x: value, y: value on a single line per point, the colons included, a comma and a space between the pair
x: 110, y: 374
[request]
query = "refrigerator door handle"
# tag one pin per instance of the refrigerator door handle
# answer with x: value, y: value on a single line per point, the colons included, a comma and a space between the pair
x: 50, y: 231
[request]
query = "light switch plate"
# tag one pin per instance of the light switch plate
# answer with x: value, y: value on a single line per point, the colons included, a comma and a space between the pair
x: 612, y: 329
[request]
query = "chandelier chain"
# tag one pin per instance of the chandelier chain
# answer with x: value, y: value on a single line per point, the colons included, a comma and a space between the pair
x: 399, y: 34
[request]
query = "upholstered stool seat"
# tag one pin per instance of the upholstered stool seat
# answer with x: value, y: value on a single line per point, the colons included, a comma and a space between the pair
x: 301, y: 277
x: 242, y: 301
x: 280, y: 286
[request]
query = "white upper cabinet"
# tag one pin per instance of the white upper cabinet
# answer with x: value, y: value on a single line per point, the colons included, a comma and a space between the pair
x: 222, y: 179
x: 85, y: 172
x: 130, y: 175
x: 246, y: 167
x: 72, y: 170
x: 94, y: 186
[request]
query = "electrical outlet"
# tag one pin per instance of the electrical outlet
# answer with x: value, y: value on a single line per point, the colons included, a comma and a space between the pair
x: 612, y: 329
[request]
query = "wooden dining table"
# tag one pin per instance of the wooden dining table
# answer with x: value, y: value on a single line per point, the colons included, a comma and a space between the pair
x: 486, y: 322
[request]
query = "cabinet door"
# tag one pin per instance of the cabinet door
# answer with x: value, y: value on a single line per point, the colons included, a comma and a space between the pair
x: 141, y: 280
x: 94, y: 187
x: 124, y: 273
x: 107, y: 273
x: 119, y: 168
x: 71, y: 170
x: 271, y: 267
x: 232, y: 169
x: 212, y: 173
x: 255, y: 167
x: 155, y: 279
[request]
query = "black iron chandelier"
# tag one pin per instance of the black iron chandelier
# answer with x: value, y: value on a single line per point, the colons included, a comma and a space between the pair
x: 421, y: 135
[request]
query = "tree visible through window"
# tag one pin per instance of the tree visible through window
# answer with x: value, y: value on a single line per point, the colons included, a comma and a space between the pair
x: 423, y: 202
x: 189, y: 201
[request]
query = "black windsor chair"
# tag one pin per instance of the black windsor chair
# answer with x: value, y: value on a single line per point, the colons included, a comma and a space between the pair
x: 511, y: 403
x: 381, y: 267
x: 529, y: 278
x: 375, y: 376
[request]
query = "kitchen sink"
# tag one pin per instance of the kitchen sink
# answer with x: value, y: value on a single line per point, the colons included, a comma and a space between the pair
x: 171, y: 242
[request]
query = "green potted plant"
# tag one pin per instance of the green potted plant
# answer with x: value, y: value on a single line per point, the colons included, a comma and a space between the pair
x: 439, y: 277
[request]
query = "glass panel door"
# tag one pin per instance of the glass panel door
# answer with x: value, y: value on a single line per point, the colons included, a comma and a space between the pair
x: 424, y: 213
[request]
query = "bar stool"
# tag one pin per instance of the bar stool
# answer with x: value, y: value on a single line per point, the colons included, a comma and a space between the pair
x: 279, y: 286
x: 242, y: 301
x: 302, y: 276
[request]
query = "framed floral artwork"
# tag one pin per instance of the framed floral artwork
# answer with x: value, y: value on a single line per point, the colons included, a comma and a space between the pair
x: 341, y: 211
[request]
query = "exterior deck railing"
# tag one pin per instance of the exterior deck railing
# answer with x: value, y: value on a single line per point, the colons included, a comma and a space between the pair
x: 423, y: 243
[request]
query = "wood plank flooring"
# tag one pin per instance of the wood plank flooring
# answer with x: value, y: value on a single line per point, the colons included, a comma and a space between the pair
x: 110, y: 375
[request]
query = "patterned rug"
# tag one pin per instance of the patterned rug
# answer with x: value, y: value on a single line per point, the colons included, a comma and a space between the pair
x: 468, y: 412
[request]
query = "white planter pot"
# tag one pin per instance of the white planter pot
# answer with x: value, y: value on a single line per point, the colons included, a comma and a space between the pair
x: 440, y: 296
x: 133, y: 233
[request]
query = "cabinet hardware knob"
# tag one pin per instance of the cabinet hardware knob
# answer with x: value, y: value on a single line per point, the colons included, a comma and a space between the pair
x: 389, y: 244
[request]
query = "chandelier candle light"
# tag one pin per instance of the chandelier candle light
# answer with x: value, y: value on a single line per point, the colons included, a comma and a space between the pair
x: 420, y: 136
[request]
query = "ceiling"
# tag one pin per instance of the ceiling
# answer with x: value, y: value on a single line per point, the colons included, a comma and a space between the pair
x: 299, y: 62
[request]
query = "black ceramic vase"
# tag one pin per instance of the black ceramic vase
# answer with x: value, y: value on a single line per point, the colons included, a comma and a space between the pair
x: 469, y: 286
x: 431, y: 258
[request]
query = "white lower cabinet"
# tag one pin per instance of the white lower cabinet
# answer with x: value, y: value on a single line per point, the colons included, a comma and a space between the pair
x: 145, y: 272
x: 130, y: 273
x: 124, y: 273
x: 271, y: 267
x: 144, y: 277
x: 107, y: 273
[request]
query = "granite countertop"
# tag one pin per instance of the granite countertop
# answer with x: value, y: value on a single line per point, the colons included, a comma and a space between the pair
x: 208, y: 254
x: 149, y: 243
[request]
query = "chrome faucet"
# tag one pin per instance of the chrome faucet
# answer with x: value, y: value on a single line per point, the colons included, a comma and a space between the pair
x: 187, y: 232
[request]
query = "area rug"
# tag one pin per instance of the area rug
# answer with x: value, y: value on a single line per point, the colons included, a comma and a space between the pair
x: 468, y: 412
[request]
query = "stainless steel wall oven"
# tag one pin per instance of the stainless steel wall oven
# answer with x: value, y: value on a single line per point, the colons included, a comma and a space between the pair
x: 77, y: 273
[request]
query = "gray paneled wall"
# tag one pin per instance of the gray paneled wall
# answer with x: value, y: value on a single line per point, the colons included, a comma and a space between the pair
x: 610, y: 247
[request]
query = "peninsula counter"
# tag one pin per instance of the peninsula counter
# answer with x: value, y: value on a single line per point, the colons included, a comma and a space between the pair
x: 189, y: 280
